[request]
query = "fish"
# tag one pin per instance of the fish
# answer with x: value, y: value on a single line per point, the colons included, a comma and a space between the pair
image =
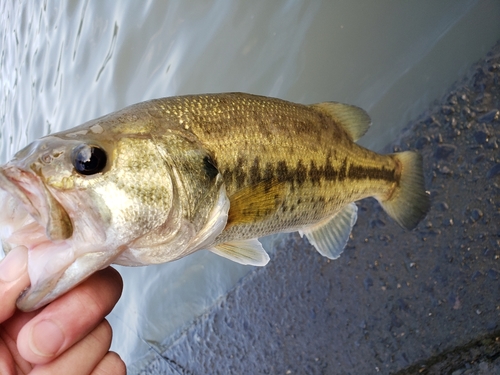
x: 161, y: 179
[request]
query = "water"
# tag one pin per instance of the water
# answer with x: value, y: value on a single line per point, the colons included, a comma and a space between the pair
x: 63, y: 64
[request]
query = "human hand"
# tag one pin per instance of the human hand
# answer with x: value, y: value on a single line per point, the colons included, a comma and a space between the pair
x: 70, y: 335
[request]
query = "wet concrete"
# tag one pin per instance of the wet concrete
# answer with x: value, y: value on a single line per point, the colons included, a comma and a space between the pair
x: 395, y: 301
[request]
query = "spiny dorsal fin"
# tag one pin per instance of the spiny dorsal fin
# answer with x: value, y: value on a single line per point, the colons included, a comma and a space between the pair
x: 330, y: 235
x: 248, y: 252
x: 254, y: 203
x: 354, y: 120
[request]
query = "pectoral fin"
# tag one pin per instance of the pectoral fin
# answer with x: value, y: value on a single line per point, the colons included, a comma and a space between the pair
x: 254, y: 203
x: 330, y: 235
x: 248, y: 252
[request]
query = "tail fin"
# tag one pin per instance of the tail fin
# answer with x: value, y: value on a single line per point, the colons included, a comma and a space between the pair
x: 409, y: 202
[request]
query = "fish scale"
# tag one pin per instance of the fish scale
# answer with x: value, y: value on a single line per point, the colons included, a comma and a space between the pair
x: 298, y: 145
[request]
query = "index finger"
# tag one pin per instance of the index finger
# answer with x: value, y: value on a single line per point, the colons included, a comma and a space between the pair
x: 14, y: 279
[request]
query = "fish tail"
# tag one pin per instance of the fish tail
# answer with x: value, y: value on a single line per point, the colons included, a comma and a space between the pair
x: 408, y: 203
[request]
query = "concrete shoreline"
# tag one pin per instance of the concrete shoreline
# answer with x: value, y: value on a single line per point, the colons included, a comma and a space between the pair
x: 419, y: 302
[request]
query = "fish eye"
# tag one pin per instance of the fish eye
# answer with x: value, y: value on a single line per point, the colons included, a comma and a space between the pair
x: 89, y: 159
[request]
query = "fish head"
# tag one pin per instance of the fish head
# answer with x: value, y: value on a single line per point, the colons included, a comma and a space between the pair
x: 76, y: 200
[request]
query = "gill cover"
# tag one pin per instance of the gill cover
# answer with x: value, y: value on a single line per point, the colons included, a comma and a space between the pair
x: 199, y: 206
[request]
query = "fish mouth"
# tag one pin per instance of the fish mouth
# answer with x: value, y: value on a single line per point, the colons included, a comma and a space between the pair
x: 30, y: 216
x: 37, y: 200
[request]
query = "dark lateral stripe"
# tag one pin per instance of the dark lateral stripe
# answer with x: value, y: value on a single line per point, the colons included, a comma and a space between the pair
x: 253, y: 173
x: 358, y: 172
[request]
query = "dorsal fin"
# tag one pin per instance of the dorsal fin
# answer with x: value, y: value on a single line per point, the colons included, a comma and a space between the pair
x: 354, y: 120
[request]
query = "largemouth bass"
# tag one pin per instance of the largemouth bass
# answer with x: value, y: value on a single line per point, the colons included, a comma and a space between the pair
x: 159, y: 180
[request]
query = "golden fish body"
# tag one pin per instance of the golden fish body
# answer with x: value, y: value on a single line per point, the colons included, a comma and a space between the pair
x: 161, y: 179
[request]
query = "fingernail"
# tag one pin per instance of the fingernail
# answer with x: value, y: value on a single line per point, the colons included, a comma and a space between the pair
x: 46, y: 338
x: 13, y: 266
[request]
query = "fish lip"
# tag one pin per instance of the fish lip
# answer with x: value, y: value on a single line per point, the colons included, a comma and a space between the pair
x: 12, y: 185
x: 30, y: 300
x: 37, y: 201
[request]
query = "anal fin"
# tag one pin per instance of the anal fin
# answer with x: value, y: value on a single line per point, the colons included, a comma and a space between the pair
x: 248, y: 252
x: 330, y: 235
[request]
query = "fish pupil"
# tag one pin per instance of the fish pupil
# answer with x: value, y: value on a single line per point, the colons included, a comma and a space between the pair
x: 89, y: 160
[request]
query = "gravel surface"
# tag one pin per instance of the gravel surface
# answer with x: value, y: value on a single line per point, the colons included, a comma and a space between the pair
x: 419, y: 302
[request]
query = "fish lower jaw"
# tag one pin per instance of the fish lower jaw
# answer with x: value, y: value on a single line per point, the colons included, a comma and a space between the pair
x: 18, y: 228
x: 47, y: 262
x: 58, y: 278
